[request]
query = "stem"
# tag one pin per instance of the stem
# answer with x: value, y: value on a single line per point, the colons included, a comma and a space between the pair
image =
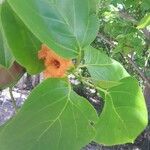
x: 79, y: 58
x: 93, y: 86
x: 83, y: 80
x: 13, y: 99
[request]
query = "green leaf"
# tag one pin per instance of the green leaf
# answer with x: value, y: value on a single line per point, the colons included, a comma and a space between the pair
x: 124, y: 115
x: 53, y: 117
x: 144, y: 22
x: 66, y: 26
x: 103, y: 69
x: 21, y: 41
x: 116, y: 27
x: 6, y: 57
x: 128, y: 43
x: 145, y: 4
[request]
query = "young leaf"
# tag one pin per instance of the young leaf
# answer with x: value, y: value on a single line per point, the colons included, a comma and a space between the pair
x: 53, y: 117
x: 21, y: 41
x: 103, y: 69
x: 144, y: 22
x: 66, y: 26
x: 124, y: 115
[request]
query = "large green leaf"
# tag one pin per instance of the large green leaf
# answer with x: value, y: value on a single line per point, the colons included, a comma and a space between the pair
x: 124, y: 115
x: 21, y: 41
x: 6, y: 57
x: 53, y: 118
x: 103, y: 70
x: 64, y: 25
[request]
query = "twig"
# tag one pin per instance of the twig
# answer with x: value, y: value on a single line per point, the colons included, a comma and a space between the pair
x: 100, y: 35
x: 139, y: 71
x: 124, y: 15
x: 13, y: 99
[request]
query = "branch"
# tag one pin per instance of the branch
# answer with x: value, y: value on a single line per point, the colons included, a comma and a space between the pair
x: 126, y: 16
x: 106, y: 40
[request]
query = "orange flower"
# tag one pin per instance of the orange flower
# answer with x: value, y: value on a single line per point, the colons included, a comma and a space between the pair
x: 56, y: 66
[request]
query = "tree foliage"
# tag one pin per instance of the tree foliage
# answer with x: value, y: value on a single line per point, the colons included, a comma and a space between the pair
x: 54, y: 116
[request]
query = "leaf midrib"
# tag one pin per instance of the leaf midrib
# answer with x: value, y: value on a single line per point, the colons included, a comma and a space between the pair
x: 117, y: 114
